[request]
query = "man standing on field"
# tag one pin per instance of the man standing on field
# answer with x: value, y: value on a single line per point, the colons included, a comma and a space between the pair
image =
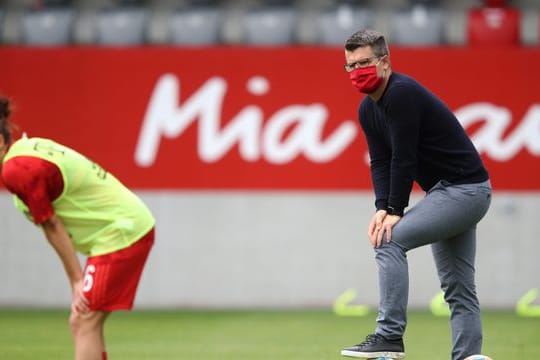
x: 413, y: 136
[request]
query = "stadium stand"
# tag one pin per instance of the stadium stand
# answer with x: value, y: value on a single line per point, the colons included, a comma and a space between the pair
x: 48, y: 26
x: 198, y: 23
x: 421, y: 23
x: 268, y: 22
x: 494, y: 24
x: 336, y: 23
x: 123, y: 24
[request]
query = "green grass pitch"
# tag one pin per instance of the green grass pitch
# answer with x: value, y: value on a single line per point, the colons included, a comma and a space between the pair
x: 239, y: 335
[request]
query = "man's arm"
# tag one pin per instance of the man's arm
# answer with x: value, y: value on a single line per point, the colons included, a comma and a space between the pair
x: 404, y: 112
x: 379, y: 158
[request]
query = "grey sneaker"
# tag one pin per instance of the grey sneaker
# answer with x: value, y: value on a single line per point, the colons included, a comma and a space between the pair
x: 376, y: 346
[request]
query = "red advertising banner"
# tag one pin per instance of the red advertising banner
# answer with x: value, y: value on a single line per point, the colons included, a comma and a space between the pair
x: 237, y: 118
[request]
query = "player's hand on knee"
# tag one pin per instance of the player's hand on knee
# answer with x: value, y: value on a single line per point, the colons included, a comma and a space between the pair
x: 79, y: 303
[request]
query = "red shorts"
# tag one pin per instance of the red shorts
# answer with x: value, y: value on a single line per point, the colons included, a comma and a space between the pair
x: 111, y: 280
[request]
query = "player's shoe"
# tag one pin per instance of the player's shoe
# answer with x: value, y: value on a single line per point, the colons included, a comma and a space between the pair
x: 376, y: 346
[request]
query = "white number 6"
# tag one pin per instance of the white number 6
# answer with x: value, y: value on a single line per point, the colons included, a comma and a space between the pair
x: 88, y: 281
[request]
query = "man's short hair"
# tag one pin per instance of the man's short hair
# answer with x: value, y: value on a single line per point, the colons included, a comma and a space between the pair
x: 371, y: 38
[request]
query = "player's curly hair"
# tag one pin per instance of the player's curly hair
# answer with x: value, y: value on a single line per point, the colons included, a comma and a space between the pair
x: 5, y: 124
x: 367, y: 37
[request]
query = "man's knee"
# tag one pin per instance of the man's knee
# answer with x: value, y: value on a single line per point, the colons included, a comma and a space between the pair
x: 458, y: 291
x: 390, y: 252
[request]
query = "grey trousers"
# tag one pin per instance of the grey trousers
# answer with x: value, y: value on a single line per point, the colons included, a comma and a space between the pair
x: 446, y: 218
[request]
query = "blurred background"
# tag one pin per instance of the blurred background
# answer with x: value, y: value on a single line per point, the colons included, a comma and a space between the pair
x: 291, y: 22
x: 235, y: 122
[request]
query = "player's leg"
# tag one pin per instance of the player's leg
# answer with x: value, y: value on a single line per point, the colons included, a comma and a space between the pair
x: 454, y: 259
x: 102, y: 330
x: 87, y: 333
x: 111, y: 282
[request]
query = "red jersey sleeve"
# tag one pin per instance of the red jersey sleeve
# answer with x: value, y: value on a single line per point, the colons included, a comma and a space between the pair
x: 36, y: 182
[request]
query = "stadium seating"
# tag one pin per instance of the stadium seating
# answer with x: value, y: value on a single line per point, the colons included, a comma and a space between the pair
x: 337, y: 23
x: 121, y: 25
x: 48, y: 26
x: 272, y: 23
x: 195, y: 25
x: 420, y: 24
x: 494, y: 24
x: 268, y: 22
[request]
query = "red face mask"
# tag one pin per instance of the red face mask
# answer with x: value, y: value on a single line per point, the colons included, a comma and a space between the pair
x: 366, y: 79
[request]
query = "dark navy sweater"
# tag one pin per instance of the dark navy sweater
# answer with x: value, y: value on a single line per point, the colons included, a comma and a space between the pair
x: 413, y: 136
